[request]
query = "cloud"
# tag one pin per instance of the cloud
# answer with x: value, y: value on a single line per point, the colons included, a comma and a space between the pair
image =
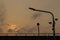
x: 28, y: 29
x: 35, y: 16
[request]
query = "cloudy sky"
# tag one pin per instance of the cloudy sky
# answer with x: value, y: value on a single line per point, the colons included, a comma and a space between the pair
x: 17, y: 13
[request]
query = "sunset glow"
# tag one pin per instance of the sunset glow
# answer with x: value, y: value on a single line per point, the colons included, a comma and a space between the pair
x: 18, y: 16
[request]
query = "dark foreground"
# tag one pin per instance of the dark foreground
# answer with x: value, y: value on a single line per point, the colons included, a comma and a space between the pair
x: 30, y: 37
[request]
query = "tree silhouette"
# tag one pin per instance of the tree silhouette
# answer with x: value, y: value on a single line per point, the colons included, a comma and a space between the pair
x: 1, y: 30
x: 10, y: 30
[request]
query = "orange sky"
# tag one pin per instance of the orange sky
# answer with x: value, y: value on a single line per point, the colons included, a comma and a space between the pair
x: 17, y: 12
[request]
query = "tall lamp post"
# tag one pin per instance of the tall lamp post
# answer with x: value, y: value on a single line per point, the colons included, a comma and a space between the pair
x: 38, y: 29
x: 53, y: 19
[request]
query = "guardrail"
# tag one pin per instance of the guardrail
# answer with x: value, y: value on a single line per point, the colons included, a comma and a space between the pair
x: 28, y: 34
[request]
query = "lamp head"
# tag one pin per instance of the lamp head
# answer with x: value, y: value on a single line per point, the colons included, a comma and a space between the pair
x: 38, y: 24
x: 32, y: 9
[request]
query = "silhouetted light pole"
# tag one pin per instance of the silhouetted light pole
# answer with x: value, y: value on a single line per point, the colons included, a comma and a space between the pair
x: 38, y: 29
x: 53, y: 19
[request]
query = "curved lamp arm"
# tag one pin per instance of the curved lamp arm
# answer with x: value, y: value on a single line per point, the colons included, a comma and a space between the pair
x: 46, y: 12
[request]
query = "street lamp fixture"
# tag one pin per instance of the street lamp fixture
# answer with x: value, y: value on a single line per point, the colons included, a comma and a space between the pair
x: 53, y: 19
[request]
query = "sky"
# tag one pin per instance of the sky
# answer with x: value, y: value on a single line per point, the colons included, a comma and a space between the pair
x: 17, y: 13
